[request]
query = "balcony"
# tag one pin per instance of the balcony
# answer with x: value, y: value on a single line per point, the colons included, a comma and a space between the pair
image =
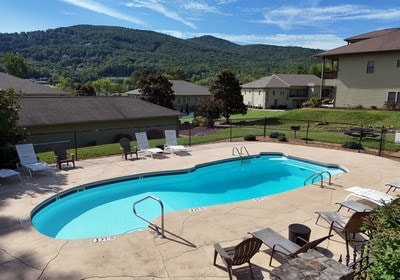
x: 330, y: 74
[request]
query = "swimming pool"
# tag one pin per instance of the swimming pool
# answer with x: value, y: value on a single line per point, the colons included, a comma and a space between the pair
x: 105, y: 208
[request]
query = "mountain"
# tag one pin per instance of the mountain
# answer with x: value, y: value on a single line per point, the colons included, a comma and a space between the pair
x: 87, y: 52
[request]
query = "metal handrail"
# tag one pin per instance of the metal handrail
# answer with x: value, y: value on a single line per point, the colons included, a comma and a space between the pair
x: 151, y: 225
x: 319, y: 174
x: 236, y: 149
x: 244, y: 148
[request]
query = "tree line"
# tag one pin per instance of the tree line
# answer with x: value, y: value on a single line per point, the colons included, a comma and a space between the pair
x: 85, y: 53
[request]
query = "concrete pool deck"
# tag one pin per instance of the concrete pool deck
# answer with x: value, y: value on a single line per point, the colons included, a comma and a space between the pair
x: 187, y: 250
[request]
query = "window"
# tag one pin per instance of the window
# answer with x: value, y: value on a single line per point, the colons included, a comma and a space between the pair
x: 370, y: 66
x: 398, y: 63
x: 393, y: 97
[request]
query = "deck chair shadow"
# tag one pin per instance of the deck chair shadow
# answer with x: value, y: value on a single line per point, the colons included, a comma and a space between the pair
x: 171, y: 143
x: 126, y: 148
x: 237, y: 255
x: 144, y: 146
x: 283, y: 248
x: 62, y: 156
x: 346, y: 227
x: 28, y: 159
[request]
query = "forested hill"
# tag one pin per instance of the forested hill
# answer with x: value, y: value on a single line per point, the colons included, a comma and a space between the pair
x: 86, y: 52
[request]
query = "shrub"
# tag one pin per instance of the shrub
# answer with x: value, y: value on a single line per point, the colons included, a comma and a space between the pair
x: 250, y: 138
x: 199, y: 121
x: 384, y: 226
x: 282, y: 138
x: 274, y: 134
x: 353, y: 145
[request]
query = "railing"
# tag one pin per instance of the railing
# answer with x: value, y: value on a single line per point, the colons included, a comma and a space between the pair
x: 242, y: 152
x: 151, y: 225
x: 319, y: 174
x: 360, y: 261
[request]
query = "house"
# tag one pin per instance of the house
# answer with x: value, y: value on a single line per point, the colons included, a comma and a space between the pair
x: 51, y: 115
x: 29, y: 87
x: 281, y: 91
x: 366, y: 71
x: 90, y: 120
x: 187, y: 95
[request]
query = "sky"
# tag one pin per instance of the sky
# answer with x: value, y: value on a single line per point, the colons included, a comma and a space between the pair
x: 304, y: 23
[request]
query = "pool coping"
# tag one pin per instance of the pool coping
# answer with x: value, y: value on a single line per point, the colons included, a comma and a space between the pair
x: 27, y: 254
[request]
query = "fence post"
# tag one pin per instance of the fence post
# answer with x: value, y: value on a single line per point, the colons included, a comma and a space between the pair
x: 230, y: 132
x: 382, y: 140
x: 308, y: 126
x: 190, y: 135
x: 76, y: 146
x: 265, y: 126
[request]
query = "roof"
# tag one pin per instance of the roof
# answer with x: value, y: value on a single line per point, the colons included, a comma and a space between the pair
x: 376, y: 41
x: 181, y: 88
x: 28, y: 87
x: 284, y: 81
x: 38, y: 111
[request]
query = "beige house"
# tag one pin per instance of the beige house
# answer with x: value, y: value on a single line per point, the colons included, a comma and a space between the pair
x: 365, y: 72
x: 187, y: 95
x: 281, y: 91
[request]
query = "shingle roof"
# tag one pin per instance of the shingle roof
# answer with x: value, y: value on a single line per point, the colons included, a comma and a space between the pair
x: 185, y: 88
x: 181, y: 88
x: 28, y: 87
x: 385, y: 40
x: 37, y: 111
x: 283, y: 81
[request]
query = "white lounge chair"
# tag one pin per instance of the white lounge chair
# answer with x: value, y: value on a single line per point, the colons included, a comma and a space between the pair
x: 171, y: 143
x: 28, y: 159
x: 144, y: 146
x: 394, y: 186
x: 5, y: 173
x: 374, y: 196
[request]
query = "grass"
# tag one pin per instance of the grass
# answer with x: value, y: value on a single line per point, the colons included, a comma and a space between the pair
x: 337, y: 121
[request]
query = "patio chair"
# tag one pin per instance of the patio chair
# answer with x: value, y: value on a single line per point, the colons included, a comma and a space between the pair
x: 62, y: 156
x: 171, y: 143
x: 144, y: 146
x: 283, y: 247
x: 374, y: 196
x: 239, y: 254
x: 28, y: 159
x: 5, y: 173
x: 126, y: 148
x: 346, y: 227
x: 394, y: 186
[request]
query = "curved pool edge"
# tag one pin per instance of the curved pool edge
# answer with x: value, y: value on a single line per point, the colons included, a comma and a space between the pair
x: 91, y: 185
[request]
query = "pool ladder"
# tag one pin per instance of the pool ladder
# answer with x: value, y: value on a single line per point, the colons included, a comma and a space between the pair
x: 152, y: 225
x: 319, y: 174
x: 242, y: 152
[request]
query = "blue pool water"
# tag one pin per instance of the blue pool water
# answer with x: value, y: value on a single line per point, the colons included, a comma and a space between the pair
x: 104, y: 209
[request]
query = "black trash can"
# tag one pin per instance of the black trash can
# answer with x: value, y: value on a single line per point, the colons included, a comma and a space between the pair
x: 299, y: 230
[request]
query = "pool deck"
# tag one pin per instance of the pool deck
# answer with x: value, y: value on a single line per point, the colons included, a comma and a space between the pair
x: 187, y: 250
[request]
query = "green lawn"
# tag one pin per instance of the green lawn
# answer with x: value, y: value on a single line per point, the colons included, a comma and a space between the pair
x: 335, y: 123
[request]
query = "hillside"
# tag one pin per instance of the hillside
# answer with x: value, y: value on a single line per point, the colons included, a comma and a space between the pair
x: 85, y: 52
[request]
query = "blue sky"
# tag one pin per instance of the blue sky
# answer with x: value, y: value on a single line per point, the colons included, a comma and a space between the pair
x: 305, y: 23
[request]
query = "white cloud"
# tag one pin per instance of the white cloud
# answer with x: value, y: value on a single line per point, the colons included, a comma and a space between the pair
x: 200, y: 7
x: 156, y: 6
x: 102, y: 9
x: 287, y: 17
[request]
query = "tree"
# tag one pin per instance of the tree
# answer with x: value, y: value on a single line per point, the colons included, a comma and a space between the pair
x: 155, y: 88
x: 66, y: 84
x: 211, y: 110
x: 226, y: 88
x: 85, y: 90
x: 14, y: 64
x: 10, y: 133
